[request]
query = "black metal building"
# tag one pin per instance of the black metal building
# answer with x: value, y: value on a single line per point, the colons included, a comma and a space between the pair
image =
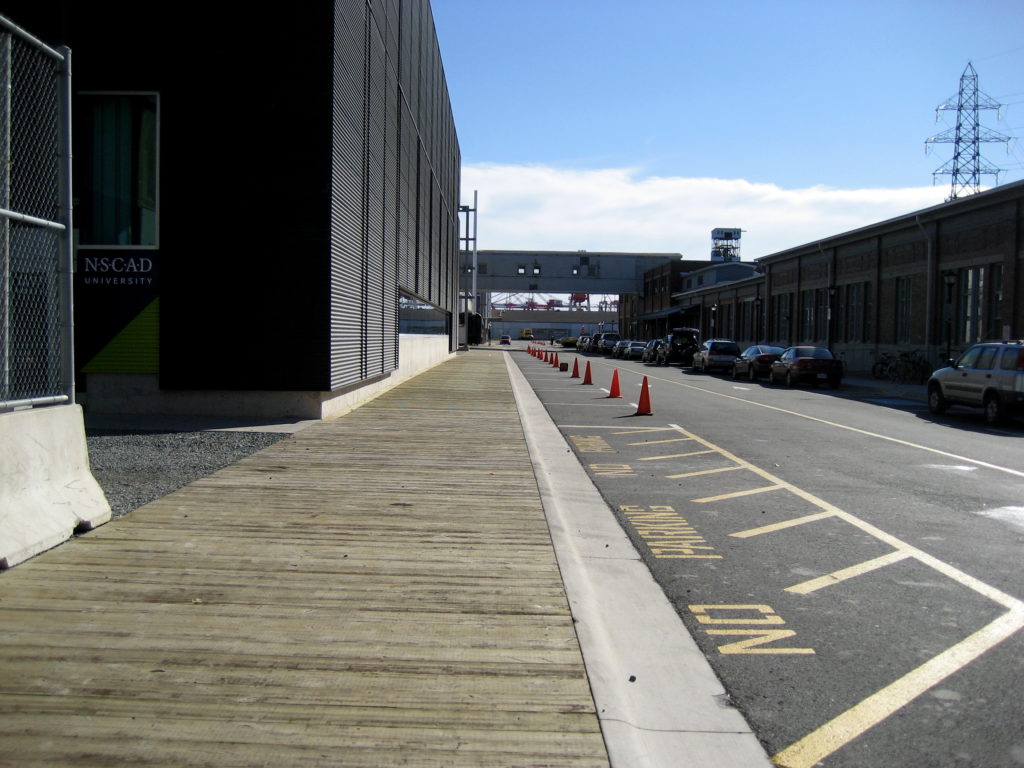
x: 256, y: 194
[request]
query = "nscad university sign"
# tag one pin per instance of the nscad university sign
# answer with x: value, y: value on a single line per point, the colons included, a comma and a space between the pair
x: 117, y: 311
x: 117, y: 270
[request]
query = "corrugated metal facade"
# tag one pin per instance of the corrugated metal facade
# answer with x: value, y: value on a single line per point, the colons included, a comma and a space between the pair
x: 394, y: 181
x: 301, y: 190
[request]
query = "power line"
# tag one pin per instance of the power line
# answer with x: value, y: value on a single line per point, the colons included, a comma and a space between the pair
x: 967, y: 165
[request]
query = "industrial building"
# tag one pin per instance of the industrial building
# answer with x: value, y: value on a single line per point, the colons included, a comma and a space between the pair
x: 933, y: 281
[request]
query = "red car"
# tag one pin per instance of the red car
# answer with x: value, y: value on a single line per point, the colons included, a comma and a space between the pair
x: 813, y: 365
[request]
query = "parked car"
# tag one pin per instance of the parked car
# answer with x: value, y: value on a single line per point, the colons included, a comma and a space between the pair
x: 806, y: 364
x: 650, y: 353
x: 608, y: 341
x: 620, y: 347
x: 582, y: 343
x: 634, y: 351
x: 715, y: 353
x: 988, y: 375
x: 755, y: 361
x: 679, y: 346
x: 595, y: 341
x: 505, y: 340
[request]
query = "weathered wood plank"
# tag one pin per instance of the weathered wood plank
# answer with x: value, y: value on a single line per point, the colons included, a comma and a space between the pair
x: 376, y: 590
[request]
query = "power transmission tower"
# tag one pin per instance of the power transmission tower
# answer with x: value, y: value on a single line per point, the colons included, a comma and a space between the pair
x: 967, y: 165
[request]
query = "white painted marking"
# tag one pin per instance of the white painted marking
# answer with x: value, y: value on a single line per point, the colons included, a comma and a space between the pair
x: 951, y: 467
x: 1012, y: 515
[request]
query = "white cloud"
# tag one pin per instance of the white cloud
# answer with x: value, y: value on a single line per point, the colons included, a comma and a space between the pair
x: 617, y: 209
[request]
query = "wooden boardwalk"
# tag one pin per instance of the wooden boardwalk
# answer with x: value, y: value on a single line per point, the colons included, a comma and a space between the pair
x: 376, y: 590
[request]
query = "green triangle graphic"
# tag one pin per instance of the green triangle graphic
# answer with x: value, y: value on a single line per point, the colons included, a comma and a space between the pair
x: 136, y: 349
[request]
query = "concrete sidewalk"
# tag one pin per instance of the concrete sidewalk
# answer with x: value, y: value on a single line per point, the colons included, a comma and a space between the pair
x: 380, y: 589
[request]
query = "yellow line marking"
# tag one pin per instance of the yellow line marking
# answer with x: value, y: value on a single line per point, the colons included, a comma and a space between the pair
x: 737, y: 494
x: 781, y: 526
x: 848, y: 573
x: 874, y: 709
x: 675, y: 455
x: 705, y: 472
x: 858, y: 431
x: 833, y: 735
x: 641, y: 431
x: 839, y: 731
x: 659, y: 442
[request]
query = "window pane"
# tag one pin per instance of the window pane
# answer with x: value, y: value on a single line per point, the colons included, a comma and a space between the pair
x: 118, y: 193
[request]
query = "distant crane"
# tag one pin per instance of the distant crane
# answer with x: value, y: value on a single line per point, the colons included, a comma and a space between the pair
x: 967, y: 166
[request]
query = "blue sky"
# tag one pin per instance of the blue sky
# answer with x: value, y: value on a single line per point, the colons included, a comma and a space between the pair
x: 643, y: 124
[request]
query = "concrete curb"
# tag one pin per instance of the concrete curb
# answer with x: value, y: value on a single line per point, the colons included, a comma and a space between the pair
x: 658, y: 701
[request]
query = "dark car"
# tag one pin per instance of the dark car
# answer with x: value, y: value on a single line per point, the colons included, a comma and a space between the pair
x: 619, y: 350
x: 608, y: 342
x: 814, y: 365
x: 715, y: 353
x: 505, y: 340
x: 595, y: 341
x: 679, y: 346
x: 755, y: 362
x: 650, y: 353
x: 988, y: 376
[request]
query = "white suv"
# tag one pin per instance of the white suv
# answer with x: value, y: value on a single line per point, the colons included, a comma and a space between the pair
x: 989, y: 375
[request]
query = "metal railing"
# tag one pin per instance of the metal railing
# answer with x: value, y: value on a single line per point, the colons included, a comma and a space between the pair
x: 36, y: 334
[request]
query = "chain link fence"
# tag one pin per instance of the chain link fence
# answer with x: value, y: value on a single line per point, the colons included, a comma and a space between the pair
x: 36, y: 352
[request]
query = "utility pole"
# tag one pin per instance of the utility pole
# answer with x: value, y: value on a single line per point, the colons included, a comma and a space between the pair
x: 464, y: 246
x: 967, y: 166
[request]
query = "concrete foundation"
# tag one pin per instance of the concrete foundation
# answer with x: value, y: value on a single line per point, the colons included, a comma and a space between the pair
x: 47, y: 490
x: 141, y: 393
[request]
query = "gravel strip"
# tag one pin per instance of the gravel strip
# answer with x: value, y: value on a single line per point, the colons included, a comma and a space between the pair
x: 135, y: 468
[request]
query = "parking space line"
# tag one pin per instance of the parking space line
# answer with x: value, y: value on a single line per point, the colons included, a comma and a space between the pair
x: 782, y: 526
x: 649, y: 429
x: 659, y: 442
x: 676, y: 455
x: 704, y: 472
x: 738, y: 494
x: 842, y: 729
x: 833, y: 735
x: 848, y: 573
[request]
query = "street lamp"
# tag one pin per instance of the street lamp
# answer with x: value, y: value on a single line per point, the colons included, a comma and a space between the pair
x: 714, y: 309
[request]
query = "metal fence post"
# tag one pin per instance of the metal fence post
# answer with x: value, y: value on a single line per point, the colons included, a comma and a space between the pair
x: 67, y: 267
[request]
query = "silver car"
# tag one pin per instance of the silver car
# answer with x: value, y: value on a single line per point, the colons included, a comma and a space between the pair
x: 989, y: 375
x: 715, y: 353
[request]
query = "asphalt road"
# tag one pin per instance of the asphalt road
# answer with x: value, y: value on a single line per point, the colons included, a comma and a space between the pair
x: 851, y: 567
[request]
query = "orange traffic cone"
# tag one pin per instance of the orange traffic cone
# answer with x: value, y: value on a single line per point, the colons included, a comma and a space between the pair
x: 554, y: 360
x: 586, y: 375
x: 575, y: 368
x: 615, y: 384
x: 644, y: 408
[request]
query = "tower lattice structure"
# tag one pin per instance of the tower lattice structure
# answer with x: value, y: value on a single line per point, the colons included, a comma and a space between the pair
x: 967, y: 165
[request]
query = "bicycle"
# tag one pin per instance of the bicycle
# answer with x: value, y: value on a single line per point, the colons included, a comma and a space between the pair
x: 910, y: 366
x: 882, y: 368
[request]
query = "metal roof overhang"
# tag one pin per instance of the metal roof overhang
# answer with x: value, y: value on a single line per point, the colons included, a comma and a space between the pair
x: 661, y: 313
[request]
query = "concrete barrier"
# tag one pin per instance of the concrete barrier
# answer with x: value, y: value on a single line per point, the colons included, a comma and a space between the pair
x: 47, y: 490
